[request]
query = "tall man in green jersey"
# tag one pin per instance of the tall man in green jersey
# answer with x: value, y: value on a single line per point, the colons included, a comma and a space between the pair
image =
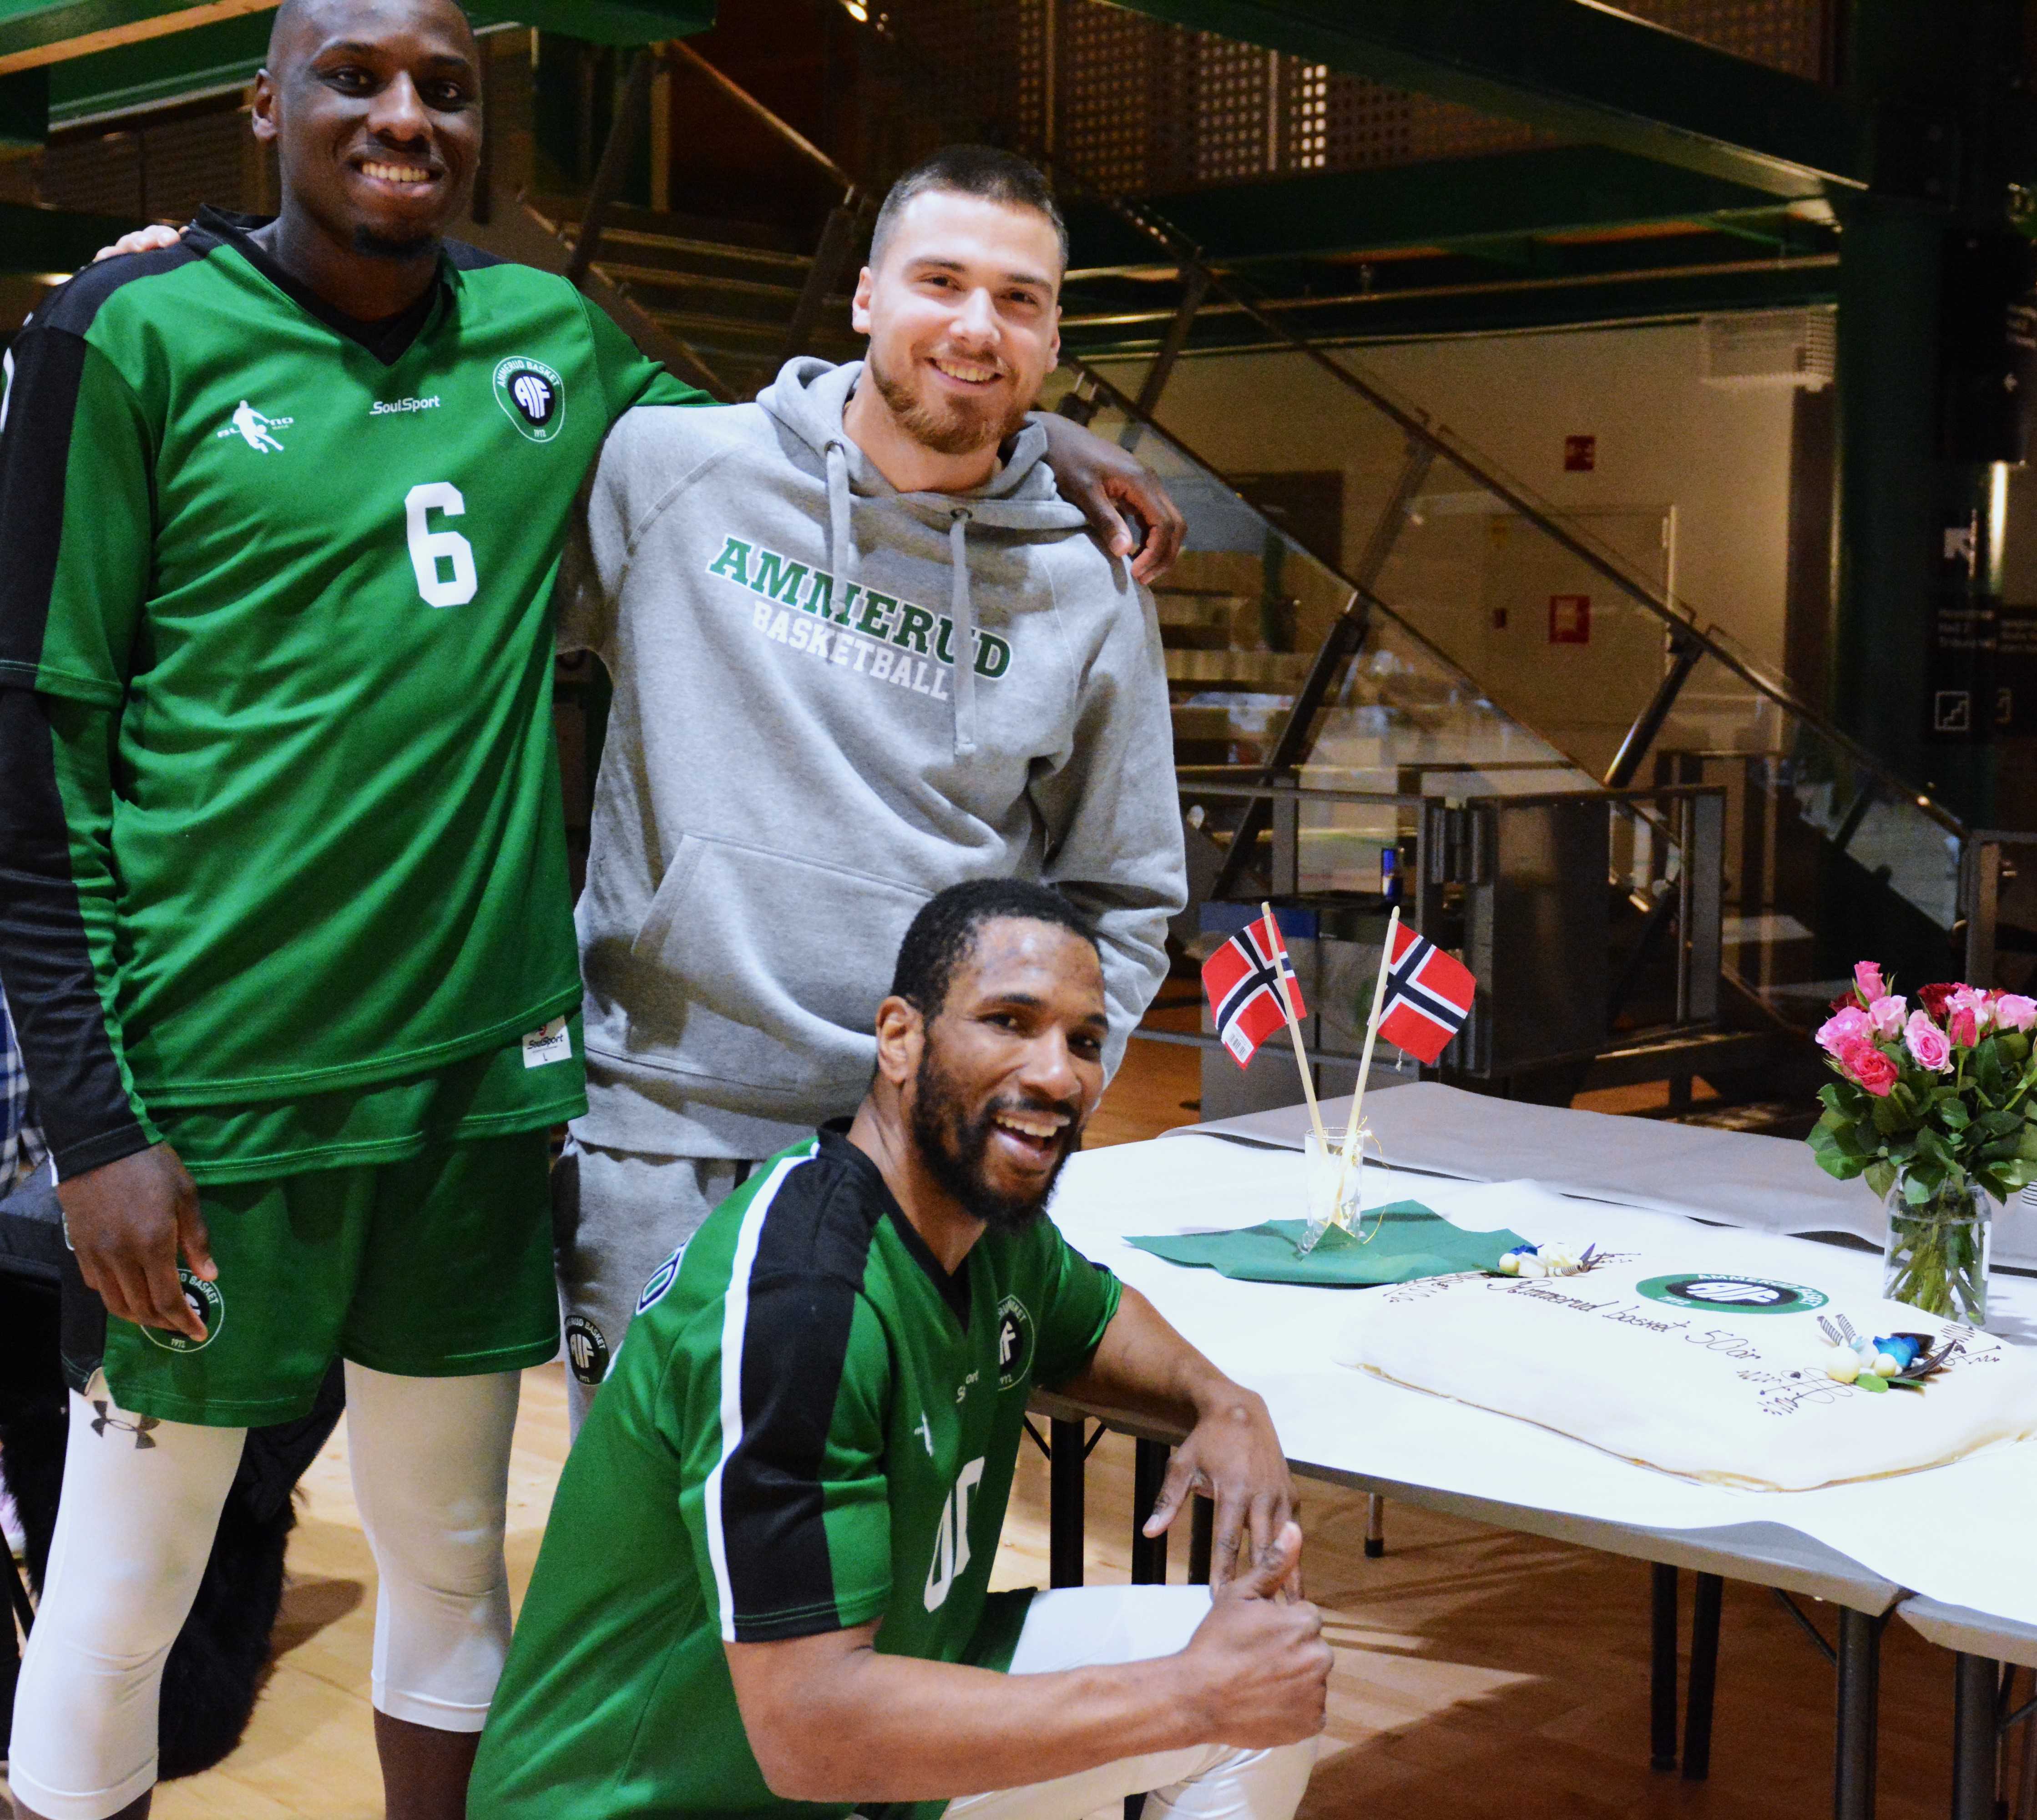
x: 764, y: 1581
x: 285, y: 919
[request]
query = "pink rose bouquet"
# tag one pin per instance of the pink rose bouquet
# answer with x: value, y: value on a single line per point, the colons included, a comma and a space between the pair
x: 1935, y: 1104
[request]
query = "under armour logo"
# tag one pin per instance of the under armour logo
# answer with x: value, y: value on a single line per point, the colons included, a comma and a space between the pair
x: 109, y: 1417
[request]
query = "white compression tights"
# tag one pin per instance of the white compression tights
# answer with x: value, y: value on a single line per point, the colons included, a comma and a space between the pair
x: 1089, y: 1626
x: 430, y: 1459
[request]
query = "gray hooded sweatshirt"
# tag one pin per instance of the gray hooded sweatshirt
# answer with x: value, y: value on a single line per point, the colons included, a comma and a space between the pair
x: 800, y: 753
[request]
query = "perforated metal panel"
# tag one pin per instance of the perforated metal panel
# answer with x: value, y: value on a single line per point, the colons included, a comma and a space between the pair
x: 1135, y: 105
x: 1788, y: 35
x: 162, y: 171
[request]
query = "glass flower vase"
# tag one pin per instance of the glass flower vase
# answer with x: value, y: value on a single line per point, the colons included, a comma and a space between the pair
x: 1934, y: 1257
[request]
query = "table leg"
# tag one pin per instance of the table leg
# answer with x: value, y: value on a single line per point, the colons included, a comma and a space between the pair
x: 1859, y: 1678
x: 1202, y: 1538
x: 1149, y: 1554
x: 1705, y: 1604
x: 1975, y: 1741
x: 1375, y: 1526
x: 1662, y: 1671
x: 1065, y: 1463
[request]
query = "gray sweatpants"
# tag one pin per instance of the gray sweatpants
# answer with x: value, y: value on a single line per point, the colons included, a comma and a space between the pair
x: 616, y: 1216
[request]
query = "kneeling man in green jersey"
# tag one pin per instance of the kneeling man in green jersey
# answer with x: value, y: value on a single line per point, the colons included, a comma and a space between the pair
x: 764, y: 1585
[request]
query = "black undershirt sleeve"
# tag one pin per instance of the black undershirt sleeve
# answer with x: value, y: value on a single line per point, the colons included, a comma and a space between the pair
x: 57, y: 908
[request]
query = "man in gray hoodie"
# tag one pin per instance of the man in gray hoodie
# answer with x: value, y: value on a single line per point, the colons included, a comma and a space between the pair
x: 862, y: 650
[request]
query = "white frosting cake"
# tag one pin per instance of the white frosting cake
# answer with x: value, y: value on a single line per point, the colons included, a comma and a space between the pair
x: 1695, y: 1371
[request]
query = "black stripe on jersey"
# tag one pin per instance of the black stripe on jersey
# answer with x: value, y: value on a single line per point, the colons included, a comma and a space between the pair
x: 73, y: 305
x: 44, y: 367
x: 45, y: 961
x: 803, y: 1284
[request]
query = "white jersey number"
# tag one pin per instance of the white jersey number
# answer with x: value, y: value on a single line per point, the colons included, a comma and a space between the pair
x: 430, y: 549
x: 951, y: 1542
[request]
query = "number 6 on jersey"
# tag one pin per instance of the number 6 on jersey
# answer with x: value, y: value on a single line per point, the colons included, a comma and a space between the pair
x: 429, y: 547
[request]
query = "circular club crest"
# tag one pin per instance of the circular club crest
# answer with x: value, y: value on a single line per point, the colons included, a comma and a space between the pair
x: 586, y: 1349
x: 1732, y: 1294
x: 1014, y: 1342
x: 204, y: 1301
x: 532, y: 397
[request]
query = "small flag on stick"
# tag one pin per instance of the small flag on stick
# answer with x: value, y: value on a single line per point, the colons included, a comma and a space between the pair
x: 1242, y: 979
x: 1429, y: 994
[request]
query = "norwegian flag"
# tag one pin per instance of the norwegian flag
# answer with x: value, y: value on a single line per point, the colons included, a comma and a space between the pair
x: 1428, y: 996
x: 1241, y: 979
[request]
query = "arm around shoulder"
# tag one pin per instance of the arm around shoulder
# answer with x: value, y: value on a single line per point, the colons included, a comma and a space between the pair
x: 1112, y: 813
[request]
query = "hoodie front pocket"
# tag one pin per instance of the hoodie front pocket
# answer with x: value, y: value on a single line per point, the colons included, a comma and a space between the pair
x: 777, y: 963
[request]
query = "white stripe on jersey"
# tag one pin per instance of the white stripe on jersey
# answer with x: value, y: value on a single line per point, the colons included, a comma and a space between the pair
x: 734, y: 1319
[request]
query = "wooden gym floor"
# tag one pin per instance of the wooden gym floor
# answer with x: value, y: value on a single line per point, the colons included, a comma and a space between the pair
x: 1479, y: 1672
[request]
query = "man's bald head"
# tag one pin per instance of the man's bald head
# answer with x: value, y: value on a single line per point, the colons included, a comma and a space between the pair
x: 301, y: 25
x: 374, y: 108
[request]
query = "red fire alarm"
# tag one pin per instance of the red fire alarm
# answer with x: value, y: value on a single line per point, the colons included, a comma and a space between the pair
x: 1580, y: 454
x: 1570, y: 619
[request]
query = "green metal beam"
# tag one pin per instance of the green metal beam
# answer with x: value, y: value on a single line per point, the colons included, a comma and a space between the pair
x: 1444, y: 203
x: 206, y: 59
x: 1580, y: 69
x: 38, y: 240
x: 44, y: 25
x: 1591, y: 301
x: 608, y: 22
x: 154, y: 70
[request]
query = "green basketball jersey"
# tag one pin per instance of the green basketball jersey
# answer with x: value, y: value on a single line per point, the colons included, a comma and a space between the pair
x: 282, y: 580
x: 811, y: 1425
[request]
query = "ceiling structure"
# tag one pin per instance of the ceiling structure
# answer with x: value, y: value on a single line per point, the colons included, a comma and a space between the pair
x: 1512, y: 240
x: 1693, y: 180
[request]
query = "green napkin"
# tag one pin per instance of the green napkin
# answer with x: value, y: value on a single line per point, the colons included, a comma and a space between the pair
x: 1411, y: 1242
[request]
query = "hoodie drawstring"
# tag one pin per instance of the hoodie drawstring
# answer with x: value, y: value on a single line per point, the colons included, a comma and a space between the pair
x: 962, y: 610
x: 841, y: 546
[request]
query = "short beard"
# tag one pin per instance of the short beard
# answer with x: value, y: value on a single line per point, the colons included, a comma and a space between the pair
x: 956, y: 431
x: 952, y: 1146
x: 374, y: 246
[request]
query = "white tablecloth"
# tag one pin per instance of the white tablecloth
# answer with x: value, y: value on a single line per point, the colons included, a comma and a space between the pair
x: 1960, y: 1533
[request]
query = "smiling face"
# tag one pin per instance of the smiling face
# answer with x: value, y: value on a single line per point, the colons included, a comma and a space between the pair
x: 962, y: 311
x: 1010, y: 1069
x: 374, y: 106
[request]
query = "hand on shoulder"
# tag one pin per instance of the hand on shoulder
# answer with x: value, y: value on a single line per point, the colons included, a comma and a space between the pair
x: 152, y: 238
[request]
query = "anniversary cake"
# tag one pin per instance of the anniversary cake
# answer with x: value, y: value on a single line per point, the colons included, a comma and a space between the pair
x: 1758, y: 1382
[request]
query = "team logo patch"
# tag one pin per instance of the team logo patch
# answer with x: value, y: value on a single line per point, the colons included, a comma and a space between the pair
x: 1739, y: 1295
x: 662, y: 1279
x: 586, y: 1349
x: 1014, y: 1342
x: 204, y: 1301
x: 532, y: 397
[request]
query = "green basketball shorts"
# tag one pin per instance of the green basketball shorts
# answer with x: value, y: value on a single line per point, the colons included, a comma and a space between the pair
x: 439, y: 1265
